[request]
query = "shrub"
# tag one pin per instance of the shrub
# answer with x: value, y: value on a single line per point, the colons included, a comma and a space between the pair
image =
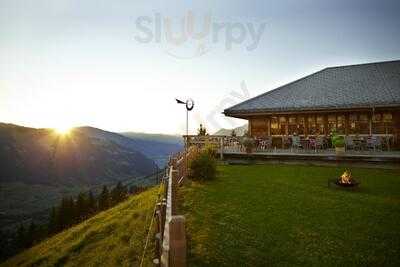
x: 337, y: 141
x: 203, y: 167
x: 210, y: 149
x: 249, y: 143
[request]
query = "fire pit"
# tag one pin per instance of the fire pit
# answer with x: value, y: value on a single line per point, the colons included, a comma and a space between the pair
x: 345, y: 180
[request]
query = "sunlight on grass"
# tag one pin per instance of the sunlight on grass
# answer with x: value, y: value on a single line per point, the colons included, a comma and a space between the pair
x: 112, y: 238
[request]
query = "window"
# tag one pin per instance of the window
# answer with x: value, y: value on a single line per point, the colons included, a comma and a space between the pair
x: 259, y: 127
x: 312, y: 125
x: 274, y: 126
x: 387, y: 117
x: 301, y: 125
x: 320, y: 125
x: 331, y: 123
x: 358, y: 124
x: 352, y: 123
x: 382, y: 123
x: 378, y: 126
x: 292, y: 126
x: 362, y: 124
x: 282, y: 125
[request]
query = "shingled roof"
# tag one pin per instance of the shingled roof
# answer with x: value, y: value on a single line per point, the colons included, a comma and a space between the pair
x: 354, y: 86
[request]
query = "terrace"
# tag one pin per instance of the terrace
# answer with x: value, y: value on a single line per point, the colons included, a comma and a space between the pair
x: 231, y: 148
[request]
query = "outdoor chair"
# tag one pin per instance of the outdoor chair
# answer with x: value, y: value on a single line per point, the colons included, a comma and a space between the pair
x: 377, y: 141
x: 313, y: 143
x: 349, y: 144
x: 287, y: 142
x: 319, y: 142
x: 296, y: 142
x: 374, y: 142
x: 266, y: 144
x: 385, y: 143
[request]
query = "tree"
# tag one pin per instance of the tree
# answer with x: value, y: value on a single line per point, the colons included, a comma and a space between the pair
x: 91, y: 203
x: 21, y: 236
x: 70, y: 212
x: 104, y: 199
x: 233, y: 133
x: 81, y: 210
x: 202, y: 131
x: 133, y: 189
x: 31, y: 235
x: 52, y: 225
x: 66, y: 212
x: 118, y: 193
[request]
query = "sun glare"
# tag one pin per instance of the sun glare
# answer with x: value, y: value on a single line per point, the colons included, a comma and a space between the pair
x: 63, y: 130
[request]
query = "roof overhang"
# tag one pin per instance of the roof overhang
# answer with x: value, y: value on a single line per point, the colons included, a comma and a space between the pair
x: 243, y: 114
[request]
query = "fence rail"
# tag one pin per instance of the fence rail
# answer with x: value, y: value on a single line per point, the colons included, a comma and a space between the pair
x: 170, y: 237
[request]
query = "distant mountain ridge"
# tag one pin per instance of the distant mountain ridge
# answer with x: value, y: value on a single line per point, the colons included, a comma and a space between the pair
x: 39, y: 166
x: 42, y: 156
x: 157, y: 147
x: 164, y: 138
x: 239, y: 131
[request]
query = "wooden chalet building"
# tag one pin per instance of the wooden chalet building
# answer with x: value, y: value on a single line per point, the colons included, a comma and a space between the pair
x: 357, y: 100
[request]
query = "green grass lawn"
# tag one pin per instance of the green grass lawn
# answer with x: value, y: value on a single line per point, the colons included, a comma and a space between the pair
x: 115, y: 237
x: 280, y: 215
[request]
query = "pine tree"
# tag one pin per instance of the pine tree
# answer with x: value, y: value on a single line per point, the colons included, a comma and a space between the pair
x: 31, y: 236
x: 133, y: 189
x: 81, y: 207
x: 21, y: 237
x: 118, y: 193
x: 104, y: 199
x: 52, y: 226
x: 70, y: 212
x: 202, y: 131
x: 66, y: 213
x: 91, y: 203
x: 124, y: 192
x: 61, y: 220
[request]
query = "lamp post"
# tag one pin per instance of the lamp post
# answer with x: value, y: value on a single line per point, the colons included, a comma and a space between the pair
x: 189, y: 104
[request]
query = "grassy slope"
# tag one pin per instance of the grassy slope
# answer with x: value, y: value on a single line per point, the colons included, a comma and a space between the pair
x: 286, y: 215
x: 112, y: 238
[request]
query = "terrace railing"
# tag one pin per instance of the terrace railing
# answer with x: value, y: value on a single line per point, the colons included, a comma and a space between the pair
x: 285, y: 144
x: 223, y: 143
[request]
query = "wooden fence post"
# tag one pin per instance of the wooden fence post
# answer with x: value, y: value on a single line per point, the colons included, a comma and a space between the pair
x: 177, y: 256
x: 221, y: 150
x: 163, y: 210
x: 174, y: 190
x: 157, y: 238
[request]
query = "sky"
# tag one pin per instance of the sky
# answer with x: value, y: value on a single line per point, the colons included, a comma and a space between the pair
x: 119, y: 65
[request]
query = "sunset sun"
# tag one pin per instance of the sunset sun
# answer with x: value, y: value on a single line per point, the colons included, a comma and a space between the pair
x: 62, y: 130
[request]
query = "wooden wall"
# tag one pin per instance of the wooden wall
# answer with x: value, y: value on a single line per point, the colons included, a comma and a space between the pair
x: 347, y: 123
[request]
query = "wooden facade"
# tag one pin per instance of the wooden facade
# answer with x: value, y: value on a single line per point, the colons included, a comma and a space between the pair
x: 353, y: 122
x: 355, y: 100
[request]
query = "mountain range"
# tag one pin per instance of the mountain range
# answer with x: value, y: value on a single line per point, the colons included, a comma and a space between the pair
x: 39, y: 166
x: 239, y: 131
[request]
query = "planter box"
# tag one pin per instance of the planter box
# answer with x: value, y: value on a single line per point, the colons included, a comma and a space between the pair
x: 340, y: 150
